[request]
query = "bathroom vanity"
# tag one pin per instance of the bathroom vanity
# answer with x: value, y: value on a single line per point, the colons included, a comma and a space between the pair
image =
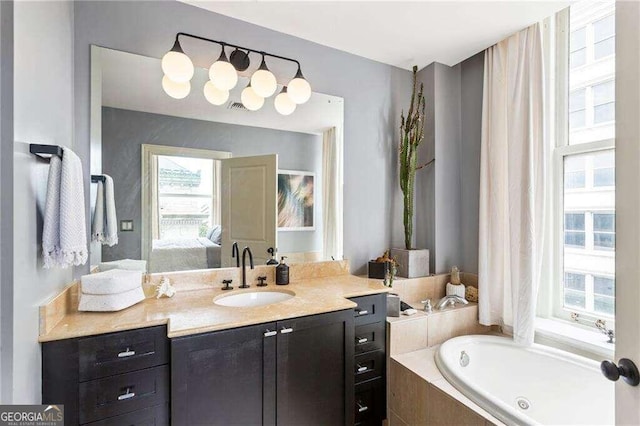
x: 322, y: 368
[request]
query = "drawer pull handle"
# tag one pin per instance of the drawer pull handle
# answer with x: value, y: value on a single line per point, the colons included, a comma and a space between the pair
x: 362, y: 312
x: 127, y: 395
x: 362, y: 408
x: 362, y: 369
x: 362, y: 340
x: 270, y: 333
x: 286, y: 330
x: 126, y: 353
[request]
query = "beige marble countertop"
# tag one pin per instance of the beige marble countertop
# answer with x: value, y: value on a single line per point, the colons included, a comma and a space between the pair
x: 194, y: 311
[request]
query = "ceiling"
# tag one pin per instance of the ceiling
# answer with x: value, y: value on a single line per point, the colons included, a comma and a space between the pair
x: 133, y: 82
x: 397, y: 33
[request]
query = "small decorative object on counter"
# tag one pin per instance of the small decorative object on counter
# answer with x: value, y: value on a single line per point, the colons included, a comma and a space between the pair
x: 427, y: 306
x: 384, y: 267
x: 455, y: 275
x: 455, y: 288
x: 273, y: 260
x: 471, y: 294
x: 165, y: 288
x: 393, y: 305
x: 282, y: 272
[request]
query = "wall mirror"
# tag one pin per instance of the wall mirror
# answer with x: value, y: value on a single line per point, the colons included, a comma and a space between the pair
x: 191, y: 178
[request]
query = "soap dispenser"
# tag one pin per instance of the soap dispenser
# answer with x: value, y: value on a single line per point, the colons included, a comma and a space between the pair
x: 282, y: 272
x: 273, y: 260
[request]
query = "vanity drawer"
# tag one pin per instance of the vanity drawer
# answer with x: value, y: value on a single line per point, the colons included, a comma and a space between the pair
x: 157, y: 415
x: 124, y: 393
x: 369, y: 403
x: 369, y: 366
x: 370, y: 337
x: 370, y: 309
x: 121, y: 352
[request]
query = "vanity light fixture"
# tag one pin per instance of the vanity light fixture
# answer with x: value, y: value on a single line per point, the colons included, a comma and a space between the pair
x: 263, y: 81
x: 283, y: 103
x: 250, y: 99
x: 214, y: 95
x: 223, y: 74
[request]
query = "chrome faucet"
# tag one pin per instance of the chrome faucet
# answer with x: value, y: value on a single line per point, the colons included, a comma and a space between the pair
x: 235, y: 253
x: 450, y: 301
x: 244, y: 266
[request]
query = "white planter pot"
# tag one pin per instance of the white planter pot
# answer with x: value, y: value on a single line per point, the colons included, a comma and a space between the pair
x: 411, y: 263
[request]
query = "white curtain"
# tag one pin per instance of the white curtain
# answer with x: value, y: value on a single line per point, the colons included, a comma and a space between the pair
x: 512, y: 183
x: 332, y: 193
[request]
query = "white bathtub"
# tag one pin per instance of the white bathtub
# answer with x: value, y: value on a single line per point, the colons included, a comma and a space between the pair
x: 538, y: 385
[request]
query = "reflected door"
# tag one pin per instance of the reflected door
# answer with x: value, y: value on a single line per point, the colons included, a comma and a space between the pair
x: 249, y: 207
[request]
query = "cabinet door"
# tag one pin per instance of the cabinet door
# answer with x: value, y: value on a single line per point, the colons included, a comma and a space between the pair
x: 224, y: 378
x: 315, y: 370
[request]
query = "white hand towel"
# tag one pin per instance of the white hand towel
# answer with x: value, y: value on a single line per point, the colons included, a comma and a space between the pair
x: 111, y: 225
x: 104, y: 228
x: 64, y: 237
x: 97, y: 226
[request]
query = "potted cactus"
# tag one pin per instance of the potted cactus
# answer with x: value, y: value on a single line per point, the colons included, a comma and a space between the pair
x: 412, y: 262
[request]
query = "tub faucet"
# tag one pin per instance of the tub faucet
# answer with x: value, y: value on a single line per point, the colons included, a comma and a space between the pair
x: 244, y: 265
x: 450, y: 301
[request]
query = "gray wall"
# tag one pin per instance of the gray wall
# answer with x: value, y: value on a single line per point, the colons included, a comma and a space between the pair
x: 6, y: 200
x: 124, y: 131
x: 447, y: 192
x: 43, y: 113
x: 472, y: 75
x: 373, y: 94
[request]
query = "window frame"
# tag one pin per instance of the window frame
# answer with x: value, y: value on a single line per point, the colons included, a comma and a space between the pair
x: 147, y: 179
x: 552, y: 297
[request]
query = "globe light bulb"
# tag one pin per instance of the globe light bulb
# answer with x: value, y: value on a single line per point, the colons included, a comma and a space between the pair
x: 283, y: 103
x: 175, y: 90
x: 299, y: 89
x: 250, y: 99
x: 176, y: 65
x: 214, y: 95
x: 222, y: 74
x: 263, y: 81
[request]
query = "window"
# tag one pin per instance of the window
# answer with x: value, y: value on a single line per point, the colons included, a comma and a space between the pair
x: 577, y: 109
x: 604, y: 235
x: 574, y: 290
x: 574, y: 172
x: 584, y: 163
x: 604, y: 37
x: 578, y: 56
x: 185, y: 196
x: 603, y: 102
x: 574, y: 231
x: 604, y: 295
x: 604, y: 169
x: 180, y: 194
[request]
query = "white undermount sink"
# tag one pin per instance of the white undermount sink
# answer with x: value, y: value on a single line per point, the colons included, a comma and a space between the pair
x: 254, y: 298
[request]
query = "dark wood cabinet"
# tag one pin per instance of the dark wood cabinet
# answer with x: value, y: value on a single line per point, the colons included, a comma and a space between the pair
x: 115, y: 378
x: 217, y: 378
x: 292, y: 372
x: 369, y: 405
x: 314, y: 361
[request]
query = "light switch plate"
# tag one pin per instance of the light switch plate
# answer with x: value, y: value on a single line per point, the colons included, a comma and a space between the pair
x: 126, y: 225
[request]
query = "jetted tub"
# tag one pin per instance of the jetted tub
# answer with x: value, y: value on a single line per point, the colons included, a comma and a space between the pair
x: 538, y: 385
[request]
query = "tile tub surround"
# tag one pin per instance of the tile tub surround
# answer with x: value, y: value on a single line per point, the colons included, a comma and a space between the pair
x: 420, y: 395
x: 419, y: 331
x: 415, y: 290
x: 192, y: 309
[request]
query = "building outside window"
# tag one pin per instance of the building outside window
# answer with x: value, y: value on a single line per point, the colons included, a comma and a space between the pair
x: 585, y: 153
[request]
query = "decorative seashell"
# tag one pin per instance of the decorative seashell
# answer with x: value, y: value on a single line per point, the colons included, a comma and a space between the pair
x: 165, y: 288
